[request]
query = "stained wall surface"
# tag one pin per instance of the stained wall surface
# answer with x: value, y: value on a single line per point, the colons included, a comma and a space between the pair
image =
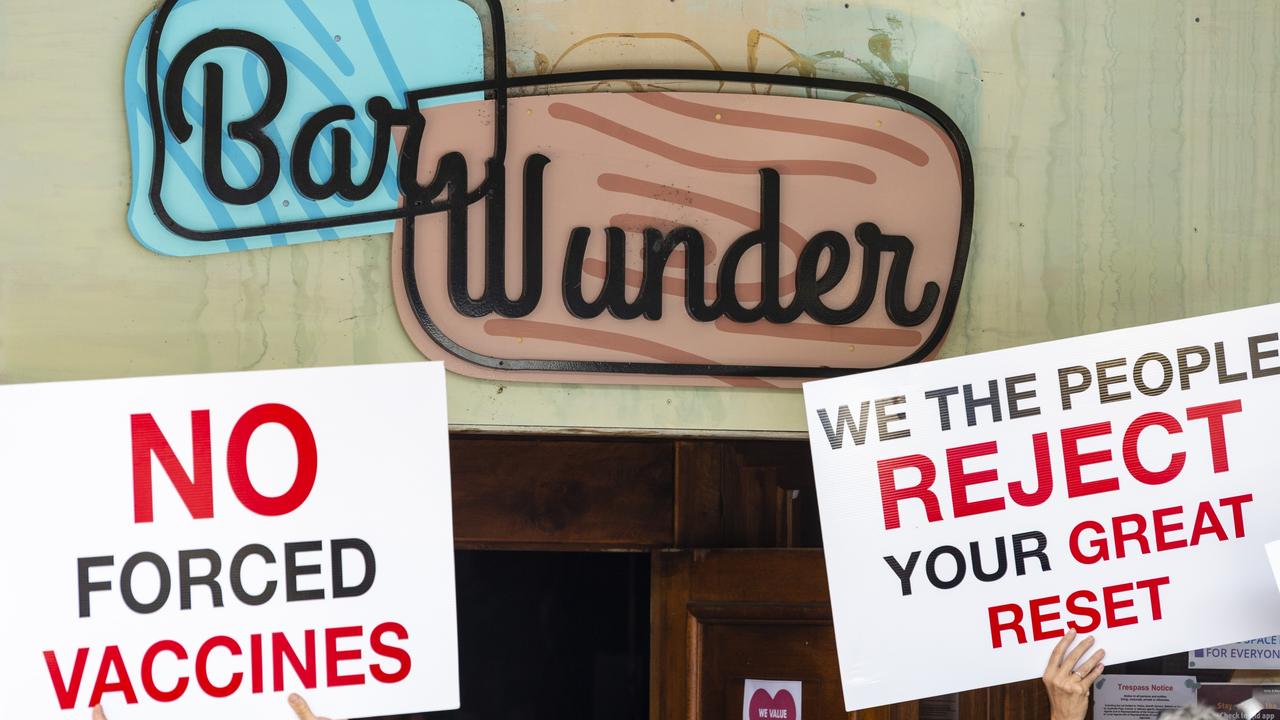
x: 1126, y: 159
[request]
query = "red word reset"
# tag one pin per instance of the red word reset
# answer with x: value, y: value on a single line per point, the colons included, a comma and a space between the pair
x: 1083, y: 611
x: 264, y: 663
x: 963, y: 479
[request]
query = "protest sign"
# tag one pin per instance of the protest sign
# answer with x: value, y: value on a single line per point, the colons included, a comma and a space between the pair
x: 974, y: 509
x: 201, y: 546
x: 1273, y: 558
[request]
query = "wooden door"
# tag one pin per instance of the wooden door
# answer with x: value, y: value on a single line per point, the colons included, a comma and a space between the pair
x: 751, y: 601
x: 722, y: 616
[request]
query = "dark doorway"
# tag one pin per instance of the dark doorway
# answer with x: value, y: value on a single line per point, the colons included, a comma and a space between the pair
x: 552, y: 634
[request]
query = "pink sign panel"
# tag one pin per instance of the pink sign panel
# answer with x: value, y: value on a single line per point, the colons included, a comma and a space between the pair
x: 723, y: 239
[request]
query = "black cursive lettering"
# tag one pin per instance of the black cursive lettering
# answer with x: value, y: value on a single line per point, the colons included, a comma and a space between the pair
x: 450, y: 184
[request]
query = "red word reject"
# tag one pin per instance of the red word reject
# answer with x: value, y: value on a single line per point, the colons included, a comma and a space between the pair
x: 1036, y: 490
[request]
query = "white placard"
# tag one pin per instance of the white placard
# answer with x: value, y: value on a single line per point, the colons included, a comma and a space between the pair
x: 1141, y: 697
x: 1273, y: 558
x: 1126, y: 505
x: 1258, y: 654
x: 302, y: 520
x: 772, y: 699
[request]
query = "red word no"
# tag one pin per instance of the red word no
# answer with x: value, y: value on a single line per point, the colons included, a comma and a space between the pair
x: 196, y: 488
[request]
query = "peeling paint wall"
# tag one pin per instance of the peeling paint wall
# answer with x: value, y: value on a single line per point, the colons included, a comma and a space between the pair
x: 1126, y: 154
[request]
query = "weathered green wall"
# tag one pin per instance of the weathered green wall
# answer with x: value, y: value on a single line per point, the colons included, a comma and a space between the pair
x: 1126, y: 155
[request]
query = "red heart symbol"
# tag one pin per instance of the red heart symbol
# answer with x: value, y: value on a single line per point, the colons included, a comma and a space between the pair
x: 779, y: 707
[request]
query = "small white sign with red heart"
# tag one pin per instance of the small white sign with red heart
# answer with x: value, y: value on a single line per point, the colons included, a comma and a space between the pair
x: 771, y: 700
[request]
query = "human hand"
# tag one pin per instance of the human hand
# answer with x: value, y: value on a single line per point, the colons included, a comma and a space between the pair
x: 1067, y: 683
x: 300, y: 708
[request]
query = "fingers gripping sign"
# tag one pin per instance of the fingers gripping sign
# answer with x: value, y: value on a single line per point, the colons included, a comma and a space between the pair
x: 1070, y: 675
x: 302, y: 709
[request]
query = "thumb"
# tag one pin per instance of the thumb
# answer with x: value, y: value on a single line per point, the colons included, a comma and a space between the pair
x: 301, y: 708
x: 98, y: 714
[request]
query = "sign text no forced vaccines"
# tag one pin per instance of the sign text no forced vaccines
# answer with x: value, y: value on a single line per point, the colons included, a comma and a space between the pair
x: 201, y: 546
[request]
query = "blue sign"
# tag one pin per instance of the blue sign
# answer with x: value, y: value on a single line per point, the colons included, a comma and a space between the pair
x: 334, y: 54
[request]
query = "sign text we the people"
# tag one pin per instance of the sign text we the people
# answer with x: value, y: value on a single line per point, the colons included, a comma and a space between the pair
x: 1077, y: 485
